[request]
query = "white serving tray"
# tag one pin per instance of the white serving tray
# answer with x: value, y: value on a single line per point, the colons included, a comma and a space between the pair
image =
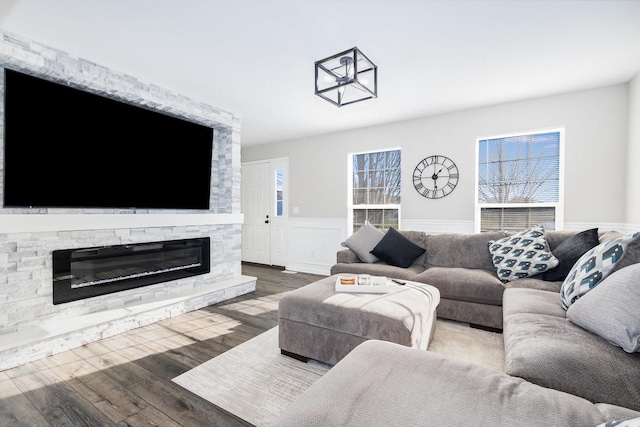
x: 379, y: 285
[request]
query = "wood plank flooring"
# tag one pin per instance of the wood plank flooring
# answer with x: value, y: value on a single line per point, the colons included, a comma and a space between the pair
x: 126, y: 380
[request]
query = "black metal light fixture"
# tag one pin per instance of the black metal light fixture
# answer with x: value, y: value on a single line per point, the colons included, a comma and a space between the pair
x: 346, y: 77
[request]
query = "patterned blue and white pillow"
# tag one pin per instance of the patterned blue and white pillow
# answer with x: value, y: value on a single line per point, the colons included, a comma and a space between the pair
x: 524, y: 254
x: 629, y: 422
x: 592, y: 267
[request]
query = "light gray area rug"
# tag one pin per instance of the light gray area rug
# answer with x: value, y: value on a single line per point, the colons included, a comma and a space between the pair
x: 252, y: 380
x: 255, y: 382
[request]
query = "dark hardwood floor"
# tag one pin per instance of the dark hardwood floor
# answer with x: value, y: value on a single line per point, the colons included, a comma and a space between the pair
x: 126, y: 380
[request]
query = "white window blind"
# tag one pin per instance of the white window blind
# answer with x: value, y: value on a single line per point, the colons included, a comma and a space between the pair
x: 519, y: 182
x: 375, y: 189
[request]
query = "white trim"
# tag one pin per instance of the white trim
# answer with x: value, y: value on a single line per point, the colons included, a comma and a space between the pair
x: 26, y: 223
x: 603, y: 226
x: 559, y: 206
x: 351, y: 206
x: 280, y: 223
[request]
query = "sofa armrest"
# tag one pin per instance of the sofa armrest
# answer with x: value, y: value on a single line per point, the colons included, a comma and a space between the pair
x: 347, y: 256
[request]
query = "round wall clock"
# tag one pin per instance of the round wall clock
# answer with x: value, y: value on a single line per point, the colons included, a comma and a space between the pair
x: 435, y: 176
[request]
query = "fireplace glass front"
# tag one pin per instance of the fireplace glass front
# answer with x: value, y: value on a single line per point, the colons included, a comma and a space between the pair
x: 88, y: 272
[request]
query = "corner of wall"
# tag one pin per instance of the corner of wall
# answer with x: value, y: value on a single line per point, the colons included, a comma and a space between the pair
x: 632, y: 211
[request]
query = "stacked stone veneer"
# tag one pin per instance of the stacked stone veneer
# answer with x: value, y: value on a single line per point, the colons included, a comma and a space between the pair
x: 26, y: 256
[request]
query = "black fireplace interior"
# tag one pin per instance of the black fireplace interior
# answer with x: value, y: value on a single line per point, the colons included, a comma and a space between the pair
x: 89, y: 272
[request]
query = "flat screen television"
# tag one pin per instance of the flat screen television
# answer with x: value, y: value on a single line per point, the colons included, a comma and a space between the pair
x: 69, y: 148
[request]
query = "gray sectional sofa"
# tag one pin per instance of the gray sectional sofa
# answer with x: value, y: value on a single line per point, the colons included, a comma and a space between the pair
x: 556, y: 372
x: 461, y: 267
x: 381, y: 384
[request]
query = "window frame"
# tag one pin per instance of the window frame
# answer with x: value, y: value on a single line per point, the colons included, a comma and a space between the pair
x: 558, y: 206
x: 351, y: 206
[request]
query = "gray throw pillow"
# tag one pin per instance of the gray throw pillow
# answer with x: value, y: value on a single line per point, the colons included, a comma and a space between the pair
x: 363, y: 241
x: 610, y: 310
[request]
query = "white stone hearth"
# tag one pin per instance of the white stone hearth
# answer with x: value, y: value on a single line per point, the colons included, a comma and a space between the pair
x: 71, y: 332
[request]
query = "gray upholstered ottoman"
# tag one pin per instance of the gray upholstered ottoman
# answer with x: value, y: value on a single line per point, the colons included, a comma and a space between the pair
x: 316, y: 322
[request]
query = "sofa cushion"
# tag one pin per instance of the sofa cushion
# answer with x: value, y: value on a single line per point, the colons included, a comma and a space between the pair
x: 523, y: 254
x: 460, y: 250
x: 553, y: 352
x: 464, y: 284
x: 363, y: 241
x: 534, y: 301
x: 611, y: 309
x: 347, y: 256
x: 569, y: 251
x: 534, y: 283
x: 382, y: 384
x: 395, y: 249
x: 378, y: 269
x: 593, y: 267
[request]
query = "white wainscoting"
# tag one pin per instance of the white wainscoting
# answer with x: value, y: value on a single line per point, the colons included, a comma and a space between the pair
x: 313, y: 242
x: 603, y: 226
x: 437, y: 226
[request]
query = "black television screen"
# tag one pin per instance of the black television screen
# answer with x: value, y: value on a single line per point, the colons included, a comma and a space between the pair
x: 68, y: 148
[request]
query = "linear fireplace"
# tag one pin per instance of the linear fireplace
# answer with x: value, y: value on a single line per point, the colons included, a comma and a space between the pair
x: 89, y: 272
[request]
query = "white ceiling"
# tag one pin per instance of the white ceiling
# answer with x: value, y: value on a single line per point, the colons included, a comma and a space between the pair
x: 255, y: 58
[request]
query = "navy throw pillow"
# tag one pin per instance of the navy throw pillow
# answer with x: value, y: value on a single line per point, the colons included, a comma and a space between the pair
x: 569, y: 251
x: 397, y: 250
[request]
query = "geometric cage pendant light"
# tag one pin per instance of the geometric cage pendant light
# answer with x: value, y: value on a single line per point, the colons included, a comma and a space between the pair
x: 346, y: 77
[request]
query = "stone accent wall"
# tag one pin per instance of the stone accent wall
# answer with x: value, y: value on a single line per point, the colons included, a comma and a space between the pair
x: 26, y: 290
x: 26, y: 256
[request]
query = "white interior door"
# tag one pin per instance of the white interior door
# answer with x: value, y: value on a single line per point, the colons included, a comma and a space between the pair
x: 256, y: 187
x: 264, y: 205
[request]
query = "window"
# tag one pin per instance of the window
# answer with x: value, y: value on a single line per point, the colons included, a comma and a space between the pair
x: 375, y: 189
x: 279, y: 192
x: 520, y: 181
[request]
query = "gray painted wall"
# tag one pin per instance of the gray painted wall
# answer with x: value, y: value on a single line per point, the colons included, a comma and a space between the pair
x: 633, y: 155
x: 596, y: 124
